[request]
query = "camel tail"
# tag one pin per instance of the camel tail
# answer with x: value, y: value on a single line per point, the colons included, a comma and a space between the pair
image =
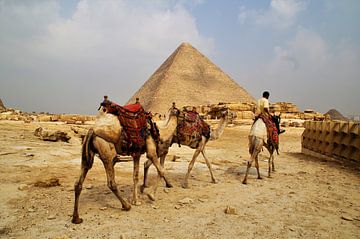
x: 87, y: 156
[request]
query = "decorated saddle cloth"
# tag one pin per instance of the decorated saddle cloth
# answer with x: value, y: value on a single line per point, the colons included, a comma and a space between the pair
x: 134, y: 121
x: 192, y: 126
x: 273, y: 136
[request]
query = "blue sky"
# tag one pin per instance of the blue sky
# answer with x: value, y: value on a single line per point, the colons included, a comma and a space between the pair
x: 63, y: 56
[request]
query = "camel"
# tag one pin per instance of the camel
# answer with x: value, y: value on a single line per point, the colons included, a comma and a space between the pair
x: 168, y: 136
x: 103, y: 140
x: 257, y: 140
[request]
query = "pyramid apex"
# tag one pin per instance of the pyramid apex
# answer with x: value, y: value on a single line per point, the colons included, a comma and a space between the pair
x: 185, y: 44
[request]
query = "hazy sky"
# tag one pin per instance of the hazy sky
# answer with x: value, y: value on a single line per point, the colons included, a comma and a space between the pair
x: 63, y: 56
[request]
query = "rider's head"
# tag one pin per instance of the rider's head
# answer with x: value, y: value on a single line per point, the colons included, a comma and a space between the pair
x: 266, y: 94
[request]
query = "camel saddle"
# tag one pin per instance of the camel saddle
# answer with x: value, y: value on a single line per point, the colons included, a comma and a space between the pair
x: 273, y: 135
x: 134, y: 121
x: 191, y: 126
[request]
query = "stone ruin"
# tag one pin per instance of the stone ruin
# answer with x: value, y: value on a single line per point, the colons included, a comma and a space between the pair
x: 240, y: 113
x: 243, y: 113
x: 17, y: 115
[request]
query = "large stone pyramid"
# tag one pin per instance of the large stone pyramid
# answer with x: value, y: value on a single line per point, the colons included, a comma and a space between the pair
x: 187, y: 77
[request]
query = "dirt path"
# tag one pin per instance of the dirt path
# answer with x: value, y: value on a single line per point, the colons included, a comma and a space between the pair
x: 305, y: 198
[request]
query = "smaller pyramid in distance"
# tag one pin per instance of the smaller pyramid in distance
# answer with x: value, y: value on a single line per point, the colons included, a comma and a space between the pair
x: 187, y: 77
x: 336, y: 115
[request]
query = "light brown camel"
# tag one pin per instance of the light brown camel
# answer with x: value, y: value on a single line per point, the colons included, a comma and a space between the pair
x: 101, y: 140
x: 257, y: 139
x: 168, y: 136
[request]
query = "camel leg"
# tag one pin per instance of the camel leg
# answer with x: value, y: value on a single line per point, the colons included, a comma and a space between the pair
x: 147, y: 164
x: 161, y: 173
x: 162, y: 163
x: 247, y: 169
x: 78, y: 187
x: 110, y: 174
x: 107, y: 153
x: 208, y: 163
x: 255, y: 146
x: 257, y: 167
x: 136, y: 180
x: 191, y: 165
x: 272, y: 162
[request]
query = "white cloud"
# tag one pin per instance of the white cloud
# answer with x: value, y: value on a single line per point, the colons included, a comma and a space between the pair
x: 108, y: 47
x: 280, y: 15
x: 326, y: 76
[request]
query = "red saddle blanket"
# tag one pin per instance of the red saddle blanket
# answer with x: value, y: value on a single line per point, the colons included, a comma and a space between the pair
x: 133, y: 120
x: 273, y: 136
x: 191, y: 125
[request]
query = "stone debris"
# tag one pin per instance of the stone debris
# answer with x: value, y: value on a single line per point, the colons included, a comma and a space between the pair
x: 230, y: 210
x: 52, y: 182
x: 347, y: 218
x: 186, y: 201
x: 31, y: 210
x: 51, y: 135
x: 51, y: 217
x: 202, y: 199
x: 89, y: 186
x: 23, y: 187
x: 172, y: 157
x: 29, y: 155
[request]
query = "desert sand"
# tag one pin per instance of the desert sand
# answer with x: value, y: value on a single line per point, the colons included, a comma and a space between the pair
x: 306, y: 197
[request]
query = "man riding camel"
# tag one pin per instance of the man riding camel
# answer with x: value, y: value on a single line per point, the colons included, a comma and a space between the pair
x: 263, y: 107
x: 272, y: 122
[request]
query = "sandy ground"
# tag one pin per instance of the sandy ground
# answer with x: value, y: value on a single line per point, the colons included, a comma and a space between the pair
x: 305, y: 198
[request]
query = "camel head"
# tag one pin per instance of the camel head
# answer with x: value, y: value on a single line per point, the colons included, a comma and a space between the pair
x: 101, y: 111
x: 277, y: 118
x: 173, y: 111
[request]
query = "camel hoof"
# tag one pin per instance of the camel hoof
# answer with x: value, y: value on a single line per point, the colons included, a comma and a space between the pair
x: 169, y: 185
x: 151, y: 196
x: 136, y: 203
x: 185, y: 185
x: 244, y: 182
x: 214, y: 181
x: 77, y: 220
x: 127, y: 207
x: 260, y: 178
x: 142, y: 188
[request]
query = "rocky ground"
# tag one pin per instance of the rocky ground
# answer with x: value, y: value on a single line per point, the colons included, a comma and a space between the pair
x: 305, y: 198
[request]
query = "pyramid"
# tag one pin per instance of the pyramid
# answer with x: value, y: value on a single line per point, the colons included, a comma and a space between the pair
x: 336, y: 115
x: 187, y: 77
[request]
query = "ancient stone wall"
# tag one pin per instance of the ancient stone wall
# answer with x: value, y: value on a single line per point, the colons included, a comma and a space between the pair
x: 339, y: 139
